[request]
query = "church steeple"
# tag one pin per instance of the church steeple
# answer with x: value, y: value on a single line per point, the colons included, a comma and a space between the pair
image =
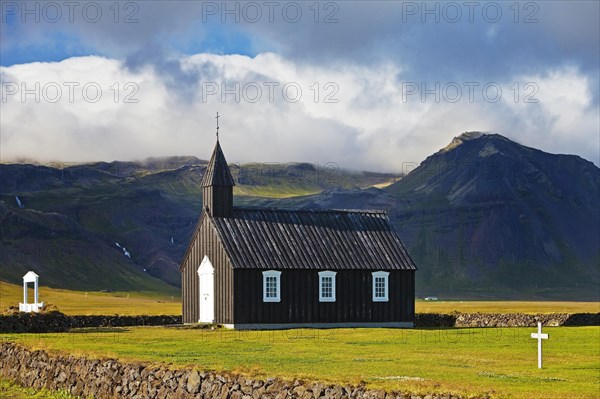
x: 217, y: 186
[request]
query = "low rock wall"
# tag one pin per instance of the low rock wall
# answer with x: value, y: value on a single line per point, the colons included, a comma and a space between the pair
x: 108, y: 378
x: 425, y: 320
x: 57, y: 322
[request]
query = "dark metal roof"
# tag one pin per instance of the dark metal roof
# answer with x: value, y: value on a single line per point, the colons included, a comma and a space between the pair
x: 264, y: 238
x: 217, y: 172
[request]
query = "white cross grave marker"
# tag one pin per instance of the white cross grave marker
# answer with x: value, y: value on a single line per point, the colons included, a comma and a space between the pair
x: 539, y: 336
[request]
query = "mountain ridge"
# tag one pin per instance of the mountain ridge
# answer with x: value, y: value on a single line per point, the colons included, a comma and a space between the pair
x: 488, y: 215
x: 482, y: 217
x: 536, y: 212
x: 150, y: 208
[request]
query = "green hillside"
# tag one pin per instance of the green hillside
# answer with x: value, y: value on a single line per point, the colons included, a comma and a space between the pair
x: 72, y: 218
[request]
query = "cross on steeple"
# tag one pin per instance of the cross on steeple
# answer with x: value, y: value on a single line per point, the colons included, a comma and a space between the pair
x: 217, y: 118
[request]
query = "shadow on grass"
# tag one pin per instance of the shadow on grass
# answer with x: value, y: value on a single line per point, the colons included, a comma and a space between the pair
x: 96, y: 330
x: 195, y: 326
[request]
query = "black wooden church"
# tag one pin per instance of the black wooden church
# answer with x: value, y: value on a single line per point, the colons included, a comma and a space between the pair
x: 263, y: 268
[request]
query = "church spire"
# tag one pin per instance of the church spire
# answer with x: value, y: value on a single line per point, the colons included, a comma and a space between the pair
x: 217, y: 184
x: 217, y: 172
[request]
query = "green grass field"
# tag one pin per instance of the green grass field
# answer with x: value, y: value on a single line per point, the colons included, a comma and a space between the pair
x: 496, y: 361
x: 82, y: 303
x: 468, y: 361
x: 10, y: 390
x: 91, y: 303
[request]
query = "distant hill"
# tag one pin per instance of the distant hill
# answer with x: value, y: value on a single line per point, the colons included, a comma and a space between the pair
x: 488, y: 212
x: 73, y: 224
x: 488, y: 217
x: 484, y: 217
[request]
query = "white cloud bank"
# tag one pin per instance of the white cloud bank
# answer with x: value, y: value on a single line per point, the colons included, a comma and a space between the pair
x: 360, y: 117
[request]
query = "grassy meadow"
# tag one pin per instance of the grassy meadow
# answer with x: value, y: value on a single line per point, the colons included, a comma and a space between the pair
x: 138, y: 303
x: 10, y: 390
x: 501, y: 362
x: 94, y: 303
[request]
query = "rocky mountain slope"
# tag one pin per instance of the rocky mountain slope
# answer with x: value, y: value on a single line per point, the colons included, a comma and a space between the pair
x: 488, y: 212
x: 488, y: 217
x: 484, y: 217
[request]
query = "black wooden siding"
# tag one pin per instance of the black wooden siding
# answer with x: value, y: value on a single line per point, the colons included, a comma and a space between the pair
x: 300, y: 298
x: 206, y: 242
x: 218, y: 200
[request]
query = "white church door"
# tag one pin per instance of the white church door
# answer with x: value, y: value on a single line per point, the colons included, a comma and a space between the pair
x: 206, y: 274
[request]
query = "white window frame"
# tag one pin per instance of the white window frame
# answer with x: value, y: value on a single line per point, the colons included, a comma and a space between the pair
x: 386, y: 280
x: 277, y: 275
x: 322, y: 275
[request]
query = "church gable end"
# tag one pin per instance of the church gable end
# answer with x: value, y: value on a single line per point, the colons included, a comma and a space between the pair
x: 206, y: 243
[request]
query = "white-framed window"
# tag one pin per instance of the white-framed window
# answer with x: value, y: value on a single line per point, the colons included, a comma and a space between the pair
x: 271, y: 286
x: 327, y: 286
x: 380, y: 286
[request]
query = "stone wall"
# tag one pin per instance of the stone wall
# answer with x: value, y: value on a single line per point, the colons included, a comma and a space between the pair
x: 108, y: 378
x: 58, y: 322
x: 424, y: 320
x: 122, y: 321
x: 509, y: 320
x: 583, y: 319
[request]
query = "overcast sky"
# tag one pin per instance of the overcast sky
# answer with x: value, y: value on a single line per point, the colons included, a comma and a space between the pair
x: 366, y: 85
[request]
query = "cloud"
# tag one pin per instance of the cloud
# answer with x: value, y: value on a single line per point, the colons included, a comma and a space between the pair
x: 566, y: 118
x: 436, y: 40
x: 275, y: 109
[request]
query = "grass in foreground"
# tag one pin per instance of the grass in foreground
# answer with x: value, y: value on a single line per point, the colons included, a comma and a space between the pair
x: 10, y: 390
x: 506, y: 307
x: 91, y: 303
x: 499, y: 361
